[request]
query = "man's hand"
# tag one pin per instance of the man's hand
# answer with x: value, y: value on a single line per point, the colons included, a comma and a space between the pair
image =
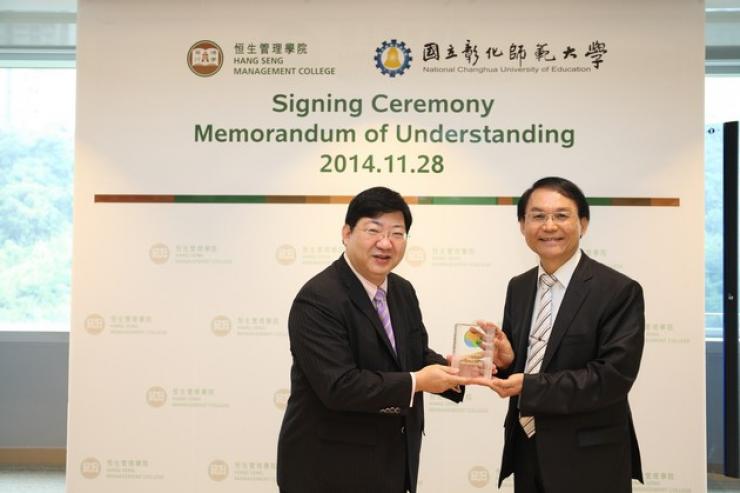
x: 502, y: 347
x: 438, y: 378
x: 506, y: 387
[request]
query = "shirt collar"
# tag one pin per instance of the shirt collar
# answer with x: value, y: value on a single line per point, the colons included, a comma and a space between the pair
x: 369, y: 287
x: 565, y: 273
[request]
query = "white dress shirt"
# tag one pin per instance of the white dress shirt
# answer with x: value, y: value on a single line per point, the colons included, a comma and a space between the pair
x: 563, y: 275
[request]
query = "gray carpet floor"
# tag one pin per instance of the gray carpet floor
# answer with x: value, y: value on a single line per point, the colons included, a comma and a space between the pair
x: 51, y: 480
x: 31, y: 480
x: 717, y: 483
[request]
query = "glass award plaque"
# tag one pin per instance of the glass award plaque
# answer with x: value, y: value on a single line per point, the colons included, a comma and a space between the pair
x: 472, y: 350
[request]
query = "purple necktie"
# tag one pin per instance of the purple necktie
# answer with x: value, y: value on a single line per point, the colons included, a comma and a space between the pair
x: 385, y: 317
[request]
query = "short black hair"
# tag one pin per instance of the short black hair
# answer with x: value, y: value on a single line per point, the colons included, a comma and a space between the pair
x: 564, y: 187
x: 375, y: 202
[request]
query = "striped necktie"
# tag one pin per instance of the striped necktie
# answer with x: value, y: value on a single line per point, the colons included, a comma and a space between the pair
x: 538, y: 337
x: 385, y: 317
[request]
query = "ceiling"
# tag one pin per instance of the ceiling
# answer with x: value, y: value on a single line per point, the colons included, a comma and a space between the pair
x: 722, y: 29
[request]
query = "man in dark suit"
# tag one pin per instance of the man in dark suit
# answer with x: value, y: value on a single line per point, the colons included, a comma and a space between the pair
x: 577, y: 332
x: 361, y: 361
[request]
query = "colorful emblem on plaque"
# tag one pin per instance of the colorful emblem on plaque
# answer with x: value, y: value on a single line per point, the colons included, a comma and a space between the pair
x: 473, y: 337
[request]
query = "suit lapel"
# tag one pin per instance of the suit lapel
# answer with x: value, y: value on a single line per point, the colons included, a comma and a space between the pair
x: 361, y: 300
x: 573, y: 299
x: 398, y: 318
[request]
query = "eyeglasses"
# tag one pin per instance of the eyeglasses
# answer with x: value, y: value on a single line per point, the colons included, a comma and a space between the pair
x: 542, y: 217
x: 378, y: 234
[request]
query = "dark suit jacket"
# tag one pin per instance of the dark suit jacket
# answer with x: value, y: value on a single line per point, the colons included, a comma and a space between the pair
x: 585, y: 437
x: 348, y: 426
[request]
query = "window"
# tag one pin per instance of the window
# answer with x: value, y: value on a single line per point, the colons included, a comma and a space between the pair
x: 36, y: 163
x: 721, y: 104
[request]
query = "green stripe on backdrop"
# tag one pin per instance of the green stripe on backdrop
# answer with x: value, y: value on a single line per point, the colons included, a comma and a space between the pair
x: 344, y: 199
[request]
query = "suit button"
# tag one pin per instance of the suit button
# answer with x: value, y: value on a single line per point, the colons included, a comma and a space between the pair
x: 403, y: 430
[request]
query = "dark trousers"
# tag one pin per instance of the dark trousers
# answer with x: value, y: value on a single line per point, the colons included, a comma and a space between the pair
x: 527, y: 475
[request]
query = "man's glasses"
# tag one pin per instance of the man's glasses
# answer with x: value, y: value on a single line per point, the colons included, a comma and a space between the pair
x: 378, y: 234
x: 542, y: 217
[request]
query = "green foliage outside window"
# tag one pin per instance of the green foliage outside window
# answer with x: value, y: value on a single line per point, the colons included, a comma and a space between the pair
x: 36, y: 166
x: 713, y: 229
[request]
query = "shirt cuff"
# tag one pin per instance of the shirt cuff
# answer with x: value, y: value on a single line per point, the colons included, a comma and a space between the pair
x: 413, y: 388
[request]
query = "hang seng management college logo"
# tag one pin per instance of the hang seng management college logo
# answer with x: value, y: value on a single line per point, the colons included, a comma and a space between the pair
x: 205, y: 58
x: 393, y: 58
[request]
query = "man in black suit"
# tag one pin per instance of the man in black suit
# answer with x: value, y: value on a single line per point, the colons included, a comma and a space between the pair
x: 577, y: 331
x: 361, y: 361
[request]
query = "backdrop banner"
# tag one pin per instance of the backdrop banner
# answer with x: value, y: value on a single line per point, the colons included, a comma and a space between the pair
x: 218, y: 144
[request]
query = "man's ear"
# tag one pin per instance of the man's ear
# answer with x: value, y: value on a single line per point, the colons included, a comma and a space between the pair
x: 584, y: 226
x: 345, y: 234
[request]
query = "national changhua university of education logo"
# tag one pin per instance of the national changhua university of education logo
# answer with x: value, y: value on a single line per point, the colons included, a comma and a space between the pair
x: 205, y: 58
x: 393, y: 58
